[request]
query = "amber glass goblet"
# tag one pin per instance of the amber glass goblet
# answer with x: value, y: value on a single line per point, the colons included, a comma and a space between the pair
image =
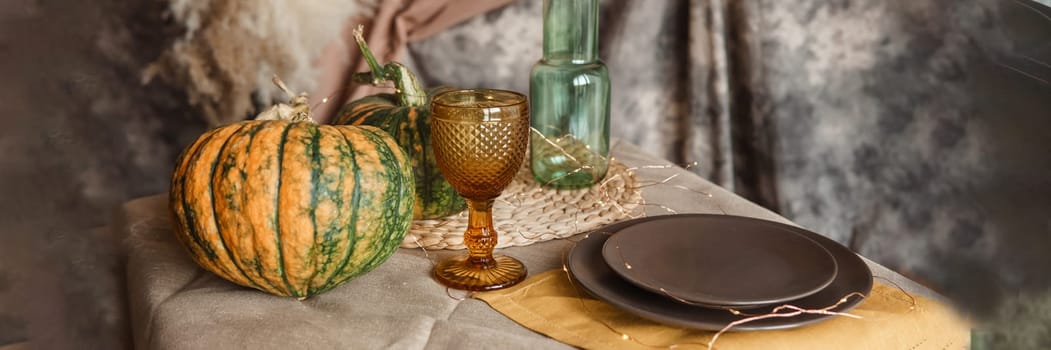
x: 479, y: 138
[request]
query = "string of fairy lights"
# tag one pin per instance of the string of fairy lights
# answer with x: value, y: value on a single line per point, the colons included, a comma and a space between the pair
x: 781, y: 311
x: 607, y: 198
x: 638, y: 210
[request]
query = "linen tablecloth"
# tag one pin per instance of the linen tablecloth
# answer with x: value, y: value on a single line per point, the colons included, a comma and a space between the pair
x: 176, y: 305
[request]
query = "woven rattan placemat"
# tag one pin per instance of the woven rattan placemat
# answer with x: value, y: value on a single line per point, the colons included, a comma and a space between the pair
x: 527, y: 213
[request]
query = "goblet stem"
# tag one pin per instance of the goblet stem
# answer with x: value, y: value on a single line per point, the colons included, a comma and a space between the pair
x: 480, y: 237
x: 479, y: 269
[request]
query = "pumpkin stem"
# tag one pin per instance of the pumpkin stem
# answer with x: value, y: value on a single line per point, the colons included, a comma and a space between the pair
x: 297, y: 109
x: 406, y: 86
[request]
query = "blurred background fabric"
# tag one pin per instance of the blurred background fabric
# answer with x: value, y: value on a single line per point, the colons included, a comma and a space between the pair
x: 915, y: 132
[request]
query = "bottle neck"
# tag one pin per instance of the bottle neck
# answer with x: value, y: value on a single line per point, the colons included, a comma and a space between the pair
x: 570, y: 31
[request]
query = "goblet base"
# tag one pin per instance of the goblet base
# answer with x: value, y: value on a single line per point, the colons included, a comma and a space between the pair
x: 458, y: 273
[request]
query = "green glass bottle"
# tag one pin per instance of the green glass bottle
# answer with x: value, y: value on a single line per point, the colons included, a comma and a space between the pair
x: 569, y: 99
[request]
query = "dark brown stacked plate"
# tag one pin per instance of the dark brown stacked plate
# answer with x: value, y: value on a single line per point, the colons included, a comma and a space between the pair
x: 691, y: 270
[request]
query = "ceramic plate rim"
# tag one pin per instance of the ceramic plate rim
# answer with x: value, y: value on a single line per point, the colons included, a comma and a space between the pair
x: 711, y: 299
x: 634, y: 300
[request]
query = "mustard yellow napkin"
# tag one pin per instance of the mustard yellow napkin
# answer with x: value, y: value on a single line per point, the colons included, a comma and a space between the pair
x: 550, y: 304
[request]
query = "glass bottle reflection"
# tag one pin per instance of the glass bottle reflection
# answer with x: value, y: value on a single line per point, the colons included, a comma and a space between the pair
x: 570, y: 98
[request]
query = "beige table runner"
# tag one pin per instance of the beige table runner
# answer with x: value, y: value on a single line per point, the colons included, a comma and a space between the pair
x: 890, y: 319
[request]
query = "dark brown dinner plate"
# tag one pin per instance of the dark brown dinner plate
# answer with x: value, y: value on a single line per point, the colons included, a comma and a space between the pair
x: 590, y: 271
x: 718, y: 262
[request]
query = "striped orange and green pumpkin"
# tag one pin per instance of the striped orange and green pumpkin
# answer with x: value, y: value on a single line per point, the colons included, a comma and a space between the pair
x: 405, y: 114
x: 291, y: 208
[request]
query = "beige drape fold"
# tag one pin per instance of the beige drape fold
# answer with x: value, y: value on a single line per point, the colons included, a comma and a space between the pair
x: 395, y: 24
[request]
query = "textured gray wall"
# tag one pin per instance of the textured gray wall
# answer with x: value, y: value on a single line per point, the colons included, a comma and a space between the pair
x: 78, y: 135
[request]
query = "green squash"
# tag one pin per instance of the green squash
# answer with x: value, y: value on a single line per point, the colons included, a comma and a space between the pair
x: 405, y: 115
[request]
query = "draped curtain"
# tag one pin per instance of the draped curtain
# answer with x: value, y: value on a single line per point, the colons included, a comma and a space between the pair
x: 899, y: 128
